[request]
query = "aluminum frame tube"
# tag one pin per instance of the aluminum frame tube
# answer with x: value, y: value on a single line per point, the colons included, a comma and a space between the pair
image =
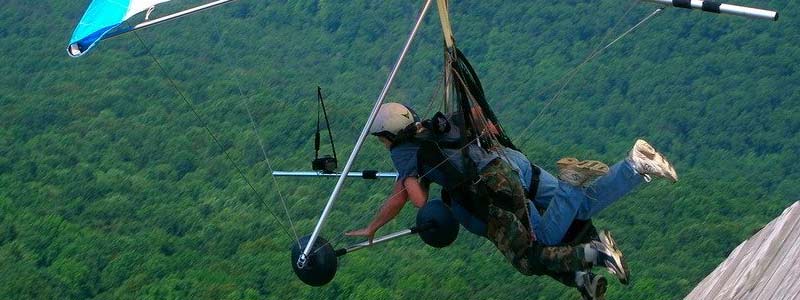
x: 173, y: 16
x: 721, y: 8
x: 376, y: 241
x: 320, y: 174
x: 749, y: 12
x: 364, y: 132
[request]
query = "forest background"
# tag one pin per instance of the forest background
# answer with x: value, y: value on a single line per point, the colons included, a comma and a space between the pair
x: 111, y: 188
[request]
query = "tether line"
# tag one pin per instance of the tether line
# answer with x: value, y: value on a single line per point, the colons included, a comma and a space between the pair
x: 569, y: 76
x: 260, y: 142
x: 204, y: 123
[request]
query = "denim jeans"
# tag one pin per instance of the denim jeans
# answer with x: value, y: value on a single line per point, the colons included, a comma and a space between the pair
x: 565, y: 202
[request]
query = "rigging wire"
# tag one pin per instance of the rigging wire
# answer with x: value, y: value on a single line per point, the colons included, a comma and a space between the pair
x: 321, y: 103
x: 434, y: 95
x: 275, y: 181
x: 269, y: 166
x: 204, y: 123
x: 254, y: 124
x: 565, y: 80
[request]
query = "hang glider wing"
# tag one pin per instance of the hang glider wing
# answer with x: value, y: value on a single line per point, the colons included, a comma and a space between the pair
x: 102, y: 17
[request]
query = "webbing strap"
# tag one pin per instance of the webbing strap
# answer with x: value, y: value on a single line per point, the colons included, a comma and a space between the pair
x: 534, y: 184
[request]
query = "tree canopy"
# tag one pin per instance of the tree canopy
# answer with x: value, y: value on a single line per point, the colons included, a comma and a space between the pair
x: 111, y: 188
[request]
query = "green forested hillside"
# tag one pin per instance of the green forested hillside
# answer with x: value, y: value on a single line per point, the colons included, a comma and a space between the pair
x: 111, y: 188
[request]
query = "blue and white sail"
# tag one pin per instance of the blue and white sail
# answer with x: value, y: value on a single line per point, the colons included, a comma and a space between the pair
x: 102, y: 17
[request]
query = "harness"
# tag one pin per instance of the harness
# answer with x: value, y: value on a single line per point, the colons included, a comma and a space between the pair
x: 439, y: 146
x: 534, y: 184
x: 435, y: 147
x: 455, y: 183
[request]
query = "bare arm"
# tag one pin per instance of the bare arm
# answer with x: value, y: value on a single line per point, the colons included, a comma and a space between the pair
x: 417, y: 193
x: 408, y: 189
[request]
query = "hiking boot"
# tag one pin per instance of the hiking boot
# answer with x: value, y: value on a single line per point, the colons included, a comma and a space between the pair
x: 647, y: 161
x: 593, y: 287
x: 580, y: 173
x: 610, y: 256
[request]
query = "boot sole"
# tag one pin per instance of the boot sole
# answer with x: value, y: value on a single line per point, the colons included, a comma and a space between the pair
x: 586, y: 167
x: 607, y: 239
x: 602, y: 287
x: 577, y: 172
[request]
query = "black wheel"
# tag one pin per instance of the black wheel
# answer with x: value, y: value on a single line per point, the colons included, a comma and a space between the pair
x: 321, y: 264
x: 439, y: 226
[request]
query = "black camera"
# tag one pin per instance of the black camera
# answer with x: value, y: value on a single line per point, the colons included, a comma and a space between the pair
x: 326, y: 164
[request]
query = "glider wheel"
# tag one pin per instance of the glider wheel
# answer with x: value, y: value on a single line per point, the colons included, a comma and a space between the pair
x: 440, y: 227
x: 321, y: 264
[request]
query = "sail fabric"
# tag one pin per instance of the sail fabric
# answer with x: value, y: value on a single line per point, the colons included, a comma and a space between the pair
x: 102, y: 17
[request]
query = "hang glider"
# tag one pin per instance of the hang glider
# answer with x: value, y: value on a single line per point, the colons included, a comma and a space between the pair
x: 103, y: 19
x: 313, y: 258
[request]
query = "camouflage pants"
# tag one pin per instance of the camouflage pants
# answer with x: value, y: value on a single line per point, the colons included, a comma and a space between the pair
x: 508, y: 226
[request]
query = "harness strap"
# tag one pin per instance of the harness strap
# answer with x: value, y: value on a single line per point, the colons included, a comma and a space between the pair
x: 429, y: 157
x: 534, y: 185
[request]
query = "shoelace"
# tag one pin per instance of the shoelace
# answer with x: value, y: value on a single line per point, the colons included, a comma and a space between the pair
x: 647, y: 177
x: 646, y: 169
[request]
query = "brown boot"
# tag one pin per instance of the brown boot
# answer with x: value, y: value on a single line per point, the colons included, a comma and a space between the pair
x: 580, y: 173
x: 647, y: 161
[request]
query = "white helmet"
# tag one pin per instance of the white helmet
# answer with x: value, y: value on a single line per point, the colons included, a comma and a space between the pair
x: 391, y: 119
